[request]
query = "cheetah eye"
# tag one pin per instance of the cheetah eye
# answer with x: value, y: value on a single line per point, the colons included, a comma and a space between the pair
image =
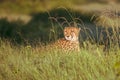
x: 65, y: 32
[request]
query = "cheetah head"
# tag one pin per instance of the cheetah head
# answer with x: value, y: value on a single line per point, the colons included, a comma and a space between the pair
x: 71, y: 33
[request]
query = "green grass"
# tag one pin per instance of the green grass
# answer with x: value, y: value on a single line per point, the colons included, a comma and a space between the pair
x: 45, y: 63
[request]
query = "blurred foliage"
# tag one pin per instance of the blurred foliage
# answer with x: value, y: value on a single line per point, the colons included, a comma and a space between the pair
x: 72, y: 1
x: 11, y: 30
x: 34, y: 6
x: 43, y: 27
x: 47, y: 22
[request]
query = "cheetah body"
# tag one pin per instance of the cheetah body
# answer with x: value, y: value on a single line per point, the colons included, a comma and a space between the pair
x: 70, y: 41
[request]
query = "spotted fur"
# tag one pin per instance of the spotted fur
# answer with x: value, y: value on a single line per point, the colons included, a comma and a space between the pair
x: 70, y: 41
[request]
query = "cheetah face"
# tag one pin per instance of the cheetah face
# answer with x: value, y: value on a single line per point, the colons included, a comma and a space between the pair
x: 71, y: 33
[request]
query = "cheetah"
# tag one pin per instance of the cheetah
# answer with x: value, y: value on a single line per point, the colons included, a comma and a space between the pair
x: 70, y: 41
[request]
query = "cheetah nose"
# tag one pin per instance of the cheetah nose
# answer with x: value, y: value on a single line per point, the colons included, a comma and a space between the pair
x: 67, y: 36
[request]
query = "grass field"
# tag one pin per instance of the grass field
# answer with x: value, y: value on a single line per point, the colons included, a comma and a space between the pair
x: 45, y: 63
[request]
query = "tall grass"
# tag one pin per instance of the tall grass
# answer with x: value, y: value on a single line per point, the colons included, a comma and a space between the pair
x: 109, y: 19
x: 42, y: 63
